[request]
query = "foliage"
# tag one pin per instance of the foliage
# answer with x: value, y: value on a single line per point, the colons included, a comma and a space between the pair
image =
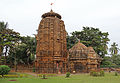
x: 43, y: 76
x: 116, y: 74
x: 4, y: 69
x: 71, y: 41
x: 8, y: 38
x: 106, y: 61
x: 68, y: 74
x: 111, y: 61
x: 23, y: 52
x: 90, y: 36
x: 102, y: 73
x: 114, y: 49
x: 93, y: 73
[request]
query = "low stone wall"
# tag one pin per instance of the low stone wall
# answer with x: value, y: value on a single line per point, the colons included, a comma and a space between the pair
x: 22, y: 68
x: 110, y: 69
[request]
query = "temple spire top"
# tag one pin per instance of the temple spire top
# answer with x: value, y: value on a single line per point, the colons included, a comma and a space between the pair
x: 51, y: 10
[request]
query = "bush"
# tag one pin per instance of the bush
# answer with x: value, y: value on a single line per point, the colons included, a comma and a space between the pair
x: 1, y: 76
x: 4, y: 69
x: 93, y: 73
x: 102, y: 73
x: 68, y: 74
x: 116, y: 74
x: 33, y: 69
x: 43, y: 76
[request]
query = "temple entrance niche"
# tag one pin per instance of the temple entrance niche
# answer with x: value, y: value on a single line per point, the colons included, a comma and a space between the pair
x: 79, y: 67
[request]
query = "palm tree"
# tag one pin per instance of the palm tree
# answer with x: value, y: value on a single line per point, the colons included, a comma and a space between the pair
x: 114, y: 49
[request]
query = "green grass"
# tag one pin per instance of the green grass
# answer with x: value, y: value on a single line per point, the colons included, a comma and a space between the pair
x: 81, y: 78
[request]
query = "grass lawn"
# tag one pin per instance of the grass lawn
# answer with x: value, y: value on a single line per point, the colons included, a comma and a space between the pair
x: 81, y: 78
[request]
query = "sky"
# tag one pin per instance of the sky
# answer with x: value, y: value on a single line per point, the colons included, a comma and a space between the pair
x: 24, y: 16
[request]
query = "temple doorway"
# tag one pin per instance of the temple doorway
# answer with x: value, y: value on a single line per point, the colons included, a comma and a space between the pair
x: 78, y: 67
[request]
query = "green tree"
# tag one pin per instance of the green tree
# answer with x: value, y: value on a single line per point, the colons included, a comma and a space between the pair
x: 107, y: 62
x: 3, y: 26
x: 11, y: 39
x: 23, y: 52
x: 8, y: 38
x: 114, y: 49
x: 71, y: 40
x: 30, y: 48
x: 116, y: 59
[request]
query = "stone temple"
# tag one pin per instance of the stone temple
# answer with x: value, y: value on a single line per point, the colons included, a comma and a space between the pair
x: 51, y: 52
x: 83, y: 59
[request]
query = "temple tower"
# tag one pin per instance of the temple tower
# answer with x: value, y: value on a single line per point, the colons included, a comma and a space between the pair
x: 51, y: 51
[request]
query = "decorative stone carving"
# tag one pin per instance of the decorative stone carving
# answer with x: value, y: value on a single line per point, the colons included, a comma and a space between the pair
x: 83, y: 59
x: 51, y: 38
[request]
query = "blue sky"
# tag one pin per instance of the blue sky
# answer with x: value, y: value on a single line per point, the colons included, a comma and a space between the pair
x: 24, y: 15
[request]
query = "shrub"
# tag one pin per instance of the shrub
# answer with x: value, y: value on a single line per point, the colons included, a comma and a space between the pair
x: 91, y: 73
x: 116, y: 74
x: 95, y: 74
x: 102, y: 73
x: 33, y: 69
x: 4, y: 69
x: 43, y: 76
x: 0, y: 76
x: 68, y: 74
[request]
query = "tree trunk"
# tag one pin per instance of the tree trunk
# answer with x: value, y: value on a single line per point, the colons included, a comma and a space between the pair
x: 6, y: 49
x: 1, y: 51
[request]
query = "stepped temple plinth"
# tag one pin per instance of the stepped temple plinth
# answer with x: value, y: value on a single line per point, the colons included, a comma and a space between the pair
x: 51, y: 51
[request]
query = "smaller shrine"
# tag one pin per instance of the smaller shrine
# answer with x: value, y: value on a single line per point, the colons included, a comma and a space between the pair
x: 83, y: 59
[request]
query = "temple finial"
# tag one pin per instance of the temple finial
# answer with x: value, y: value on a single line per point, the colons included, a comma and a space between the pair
x: 51, y: 5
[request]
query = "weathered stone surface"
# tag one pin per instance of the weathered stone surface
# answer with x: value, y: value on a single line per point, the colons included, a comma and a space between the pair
x: 51, y: 48
x: 83, y: 59
x: 51, y: 51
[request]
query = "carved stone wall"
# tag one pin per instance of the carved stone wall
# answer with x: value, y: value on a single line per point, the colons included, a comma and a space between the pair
x: 51, y: 51
x: 83, y: 59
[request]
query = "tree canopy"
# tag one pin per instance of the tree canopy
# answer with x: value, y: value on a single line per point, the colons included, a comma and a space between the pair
x: 23, y: 52
x: 8, y: 38
x: 90, y: 36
